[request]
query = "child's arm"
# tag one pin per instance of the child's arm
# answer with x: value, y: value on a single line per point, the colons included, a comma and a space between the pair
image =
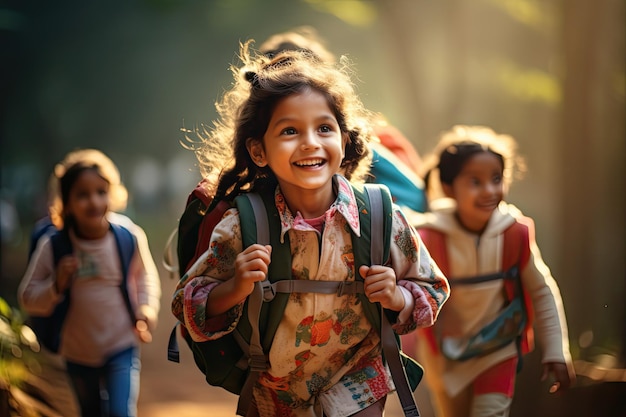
x: 146, y: 278
x: 150, y: 290
x: 550, y: 320
x: 214, y: 269
x: 42, y: 286
x: 381, y: 286
x: 418, y: 277
x: 251, y: 266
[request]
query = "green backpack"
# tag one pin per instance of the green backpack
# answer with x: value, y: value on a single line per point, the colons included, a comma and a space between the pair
x: 235, y: 360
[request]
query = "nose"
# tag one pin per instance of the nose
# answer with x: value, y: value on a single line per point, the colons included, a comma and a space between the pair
x: 490, y: 188
x: 96, y: 199
x: 309, y: 141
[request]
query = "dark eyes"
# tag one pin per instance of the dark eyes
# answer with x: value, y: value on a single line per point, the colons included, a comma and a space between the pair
x: 293, y: 131
x: 85, y: 194
x: 496, y: 179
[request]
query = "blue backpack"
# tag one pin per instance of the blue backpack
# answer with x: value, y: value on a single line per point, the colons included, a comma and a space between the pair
x: 48, y: 328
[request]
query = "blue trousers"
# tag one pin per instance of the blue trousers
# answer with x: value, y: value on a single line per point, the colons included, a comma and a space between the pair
x: 111, y: 390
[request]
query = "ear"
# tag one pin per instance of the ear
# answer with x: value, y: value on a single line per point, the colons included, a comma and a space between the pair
x: 447, y: 190
x: 256, y: 151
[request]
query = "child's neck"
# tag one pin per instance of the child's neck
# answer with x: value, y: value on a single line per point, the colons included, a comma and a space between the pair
x: 474, y: 229
x: 92, y: 233
x: 312, y: 205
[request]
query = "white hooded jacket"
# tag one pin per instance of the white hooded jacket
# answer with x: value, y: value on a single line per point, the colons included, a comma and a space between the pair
x: 470, y: 307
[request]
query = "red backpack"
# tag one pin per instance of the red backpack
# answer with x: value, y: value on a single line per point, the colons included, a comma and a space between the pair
x: 515, y: 257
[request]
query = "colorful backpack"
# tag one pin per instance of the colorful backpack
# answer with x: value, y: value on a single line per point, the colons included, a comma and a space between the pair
x: 234, y: 361
x: 514, y: 322
x: 48, y: 328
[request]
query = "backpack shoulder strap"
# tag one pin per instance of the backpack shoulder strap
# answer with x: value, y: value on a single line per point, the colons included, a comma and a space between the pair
x: 364, y: 247
x: 48, y: 328
x: 375, y: 214
x: 375, y: 218
x: 516, y: 253
x: 125, y: 242
x: 260, y: 223
x: 435, y: 241
x: 61, y: 245
x: 381, y: 219
x: 516, y: 245
x: 42, y: 227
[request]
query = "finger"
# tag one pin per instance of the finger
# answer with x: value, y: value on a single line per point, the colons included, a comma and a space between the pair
x: 252, y: 260
x: 363, y: 271
x: 261, y: 253
x: 257, y: 247
x: 258, y: 264
x: 142, y: 331
x: 377, y: 270
x: 145, y: 337
x: 253, y: 276
x: 555, y: 387
x: 141, y: 325
x: 378, y: 294
x: 372, y: 286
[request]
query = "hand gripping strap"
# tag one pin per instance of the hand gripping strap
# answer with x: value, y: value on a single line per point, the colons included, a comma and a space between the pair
x: 387, y: 337
x: 257, y: 359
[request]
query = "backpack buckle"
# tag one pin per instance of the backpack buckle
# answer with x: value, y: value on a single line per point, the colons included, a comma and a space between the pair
x: 258, y: 363
x: 346, y: 287
x: 268, y: 291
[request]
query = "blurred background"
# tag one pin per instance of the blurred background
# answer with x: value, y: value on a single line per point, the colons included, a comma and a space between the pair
x: 126, y: 76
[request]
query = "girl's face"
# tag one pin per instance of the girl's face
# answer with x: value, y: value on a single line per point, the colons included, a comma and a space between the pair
x: 478, y: 189
x: 303, y: 144
x: 88, y: 204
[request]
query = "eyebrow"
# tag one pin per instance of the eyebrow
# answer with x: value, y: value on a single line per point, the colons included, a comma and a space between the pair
x: 289, y: 119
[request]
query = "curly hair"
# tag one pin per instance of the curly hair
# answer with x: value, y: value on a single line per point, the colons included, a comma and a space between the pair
x: 245, y: 111
x: 458, y: 144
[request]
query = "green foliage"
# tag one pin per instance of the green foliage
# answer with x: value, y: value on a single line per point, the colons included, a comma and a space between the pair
x: 17, y: 343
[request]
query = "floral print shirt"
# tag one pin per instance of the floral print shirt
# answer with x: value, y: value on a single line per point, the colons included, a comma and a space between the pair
x: 325, y: 353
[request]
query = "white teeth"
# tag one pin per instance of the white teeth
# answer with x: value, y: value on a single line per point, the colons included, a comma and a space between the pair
x: 310, y: 162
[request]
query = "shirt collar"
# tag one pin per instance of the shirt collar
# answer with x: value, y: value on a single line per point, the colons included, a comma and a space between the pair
x: 345, y: 204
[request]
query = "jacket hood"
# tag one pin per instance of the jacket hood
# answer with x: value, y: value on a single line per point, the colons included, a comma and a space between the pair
x: 441, y: 217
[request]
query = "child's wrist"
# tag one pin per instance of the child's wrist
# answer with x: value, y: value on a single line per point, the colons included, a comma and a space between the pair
x: 398, y: 300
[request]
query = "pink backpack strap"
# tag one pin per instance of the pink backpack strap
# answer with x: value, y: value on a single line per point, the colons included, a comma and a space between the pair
x: 435, y: 241
x: 516, y: 251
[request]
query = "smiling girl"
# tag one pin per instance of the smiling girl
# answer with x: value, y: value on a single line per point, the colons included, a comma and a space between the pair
x: 499, y: 282
x: 293, y: 123
x: 106, y: 321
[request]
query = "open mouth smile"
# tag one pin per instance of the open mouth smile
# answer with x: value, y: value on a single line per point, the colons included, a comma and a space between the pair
x: 310, y: 163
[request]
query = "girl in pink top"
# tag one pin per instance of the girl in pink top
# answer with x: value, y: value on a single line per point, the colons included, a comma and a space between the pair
x: 101, y: 334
